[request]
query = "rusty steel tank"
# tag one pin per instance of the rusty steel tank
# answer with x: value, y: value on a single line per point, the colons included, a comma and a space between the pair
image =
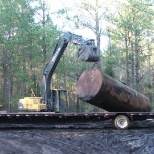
x: 101, y: 90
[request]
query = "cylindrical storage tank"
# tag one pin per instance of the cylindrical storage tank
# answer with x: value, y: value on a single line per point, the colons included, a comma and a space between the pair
x: 101, y: 90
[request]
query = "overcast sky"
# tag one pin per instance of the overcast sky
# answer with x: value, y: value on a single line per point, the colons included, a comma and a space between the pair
x: 55, y: 5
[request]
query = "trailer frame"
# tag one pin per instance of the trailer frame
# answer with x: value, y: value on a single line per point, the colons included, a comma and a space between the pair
x: 121, y: 120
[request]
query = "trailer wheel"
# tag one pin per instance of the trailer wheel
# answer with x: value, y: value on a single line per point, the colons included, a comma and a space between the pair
x: 122, y: 122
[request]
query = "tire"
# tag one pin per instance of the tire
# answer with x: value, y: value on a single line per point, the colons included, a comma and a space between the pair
x: 122, y: 122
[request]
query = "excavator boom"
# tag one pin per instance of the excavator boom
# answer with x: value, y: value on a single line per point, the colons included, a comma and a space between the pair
x: 87, y: 51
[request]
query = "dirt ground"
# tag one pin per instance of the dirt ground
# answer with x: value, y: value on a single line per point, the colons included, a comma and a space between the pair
x: 78, y: 141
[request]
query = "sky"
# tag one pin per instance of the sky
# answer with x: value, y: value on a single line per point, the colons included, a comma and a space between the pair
x: 55, y: 5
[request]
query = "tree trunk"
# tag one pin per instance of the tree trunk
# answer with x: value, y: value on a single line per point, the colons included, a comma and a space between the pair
x: 9, y: 84
x: 24, y: 70
x: 99, y: 89
x: 98, y: 36
x: 137, y: 63
x: 132, y: 64
x: 43, y: 39
x: 127, y: 62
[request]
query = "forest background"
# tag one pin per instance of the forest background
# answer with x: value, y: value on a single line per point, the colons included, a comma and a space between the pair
x: 29, y: 30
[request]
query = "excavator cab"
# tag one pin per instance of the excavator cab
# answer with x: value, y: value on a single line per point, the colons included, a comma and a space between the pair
x: 59, y: 100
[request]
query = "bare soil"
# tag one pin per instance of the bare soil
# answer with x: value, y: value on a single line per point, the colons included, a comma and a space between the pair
x: 138, y: 140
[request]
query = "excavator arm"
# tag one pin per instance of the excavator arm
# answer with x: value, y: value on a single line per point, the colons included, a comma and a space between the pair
x: 87, y: 52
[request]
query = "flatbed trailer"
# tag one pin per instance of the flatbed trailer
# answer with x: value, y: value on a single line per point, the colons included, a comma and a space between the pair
x: 121, y: 120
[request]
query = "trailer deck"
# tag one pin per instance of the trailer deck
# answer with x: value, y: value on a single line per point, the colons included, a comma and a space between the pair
x: 52, y: 118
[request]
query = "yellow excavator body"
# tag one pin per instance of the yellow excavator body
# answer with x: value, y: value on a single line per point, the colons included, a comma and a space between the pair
x: 31, y: 104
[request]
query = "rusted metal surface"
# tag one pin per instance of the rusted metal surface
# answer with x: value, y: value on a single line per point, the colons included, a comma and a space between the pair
x: 103, y: 91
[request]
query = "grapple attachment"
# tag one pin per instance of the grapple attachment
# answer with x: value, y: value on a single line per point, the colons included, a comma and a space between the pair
x: 88, y: 52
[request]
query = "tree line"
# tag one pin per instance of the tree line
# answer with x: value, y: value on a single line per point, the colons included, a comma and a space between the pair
x: 28, y: 35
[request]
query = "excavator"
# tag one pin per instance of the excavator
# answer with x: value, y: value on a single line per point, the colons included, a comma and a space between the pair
x: 51, y: 98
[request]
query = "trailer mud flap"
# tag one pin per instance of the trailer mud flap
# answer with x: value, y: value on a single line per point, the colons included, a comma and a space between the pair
x: 88, y: 52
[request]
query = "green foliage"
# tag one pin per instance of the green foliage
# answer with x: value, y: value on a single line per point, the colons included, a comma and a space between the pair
x: 129, y: 27
x: 109, y: 70
x: 28, y: 36
x: 22, y: 43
